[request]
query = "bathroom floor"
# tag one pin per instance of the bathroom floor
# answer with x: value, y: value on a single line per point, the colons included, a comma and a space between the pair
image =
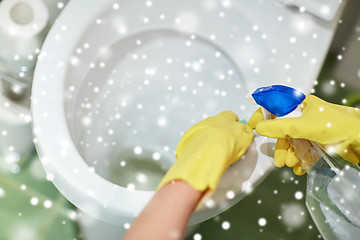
x: 31, y: 207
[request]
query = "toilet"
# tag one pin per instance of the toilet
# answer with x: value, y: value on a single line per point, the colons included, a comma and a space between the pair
x: 118, y: 82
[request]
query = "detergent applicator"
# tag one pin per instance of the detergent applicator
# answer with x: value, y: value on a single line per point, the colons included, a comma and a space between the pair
x: 333, y: 184
x: 284, y: 102
x: 277, y: 99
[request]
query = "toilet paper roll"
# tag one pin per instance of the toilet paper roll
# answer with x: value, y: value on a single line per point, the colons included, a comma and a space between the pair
x: 23, y: 18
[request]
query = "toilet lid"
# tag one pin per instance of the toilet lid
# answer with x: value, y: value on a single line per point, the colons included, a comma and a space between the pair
x: 226, y: 27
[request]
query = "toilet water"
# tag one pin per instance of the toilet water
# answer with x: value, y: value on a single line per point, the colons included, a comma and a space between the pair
x: 138, y: 171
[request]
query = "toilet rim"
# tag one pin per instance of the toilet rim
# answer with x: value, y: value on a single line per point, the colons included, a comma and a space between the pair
x: 51, y: 136
x: 86, y: 189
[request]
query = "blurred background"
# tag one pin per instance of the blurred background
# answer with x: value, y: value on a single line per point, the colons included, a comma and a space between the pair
x: 32, y: 208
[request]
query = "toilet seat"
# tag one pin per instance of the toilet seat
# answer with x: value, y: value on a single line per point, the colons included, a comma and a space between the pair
x: 66, y: 168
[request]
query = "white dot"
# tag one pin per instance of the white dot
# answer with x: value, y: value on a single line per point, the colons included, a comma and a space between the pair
x: 116, y: 6
x: 328, y: 124
x: 162, y: 122
x: 2, y: 193
x: 197, y: 236
x: 262, y: 222
x: 141, y: 178
x: 137, y: 150
x: 156, y: 156
x: 299, y: 195
x: 34, y: 201
x: 293, y: 215
x: 72, y: 215
x: 60, y: 5
x: 210, y: 203
x: 47, y: 204
x: 50, y: 177
x: 130, y: 186
x: 225, y: 225
x: 230, y: 194
x: 226, y: 3
x: 126, y: 225
x: 293, y: 39
x: 139, y: 106
x: 325, y: 10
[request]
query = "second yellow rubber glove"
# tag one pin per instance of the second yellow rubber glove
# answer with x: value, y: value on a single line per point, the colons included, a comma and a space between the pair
x: 335, y: 127
x: 207, y: 149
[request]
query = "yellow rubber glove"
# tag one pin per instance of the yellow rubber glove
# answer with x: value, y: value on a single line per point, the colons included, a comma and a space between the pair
x: 335, y: 127
x: 207, y: 149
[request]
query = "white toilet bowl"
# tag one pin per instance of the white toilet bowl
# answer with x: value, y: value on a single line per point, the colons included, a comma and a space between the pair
x: 117, y: 83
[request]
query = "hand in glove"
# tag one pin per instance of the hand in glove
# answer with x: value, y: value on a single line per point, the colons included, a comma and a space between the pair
x: 207, y: 149
x: 335, y: 127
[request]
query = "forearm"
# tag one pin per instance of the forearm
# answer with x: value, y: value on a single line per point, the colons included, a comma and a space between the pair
x: 167, y: 214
